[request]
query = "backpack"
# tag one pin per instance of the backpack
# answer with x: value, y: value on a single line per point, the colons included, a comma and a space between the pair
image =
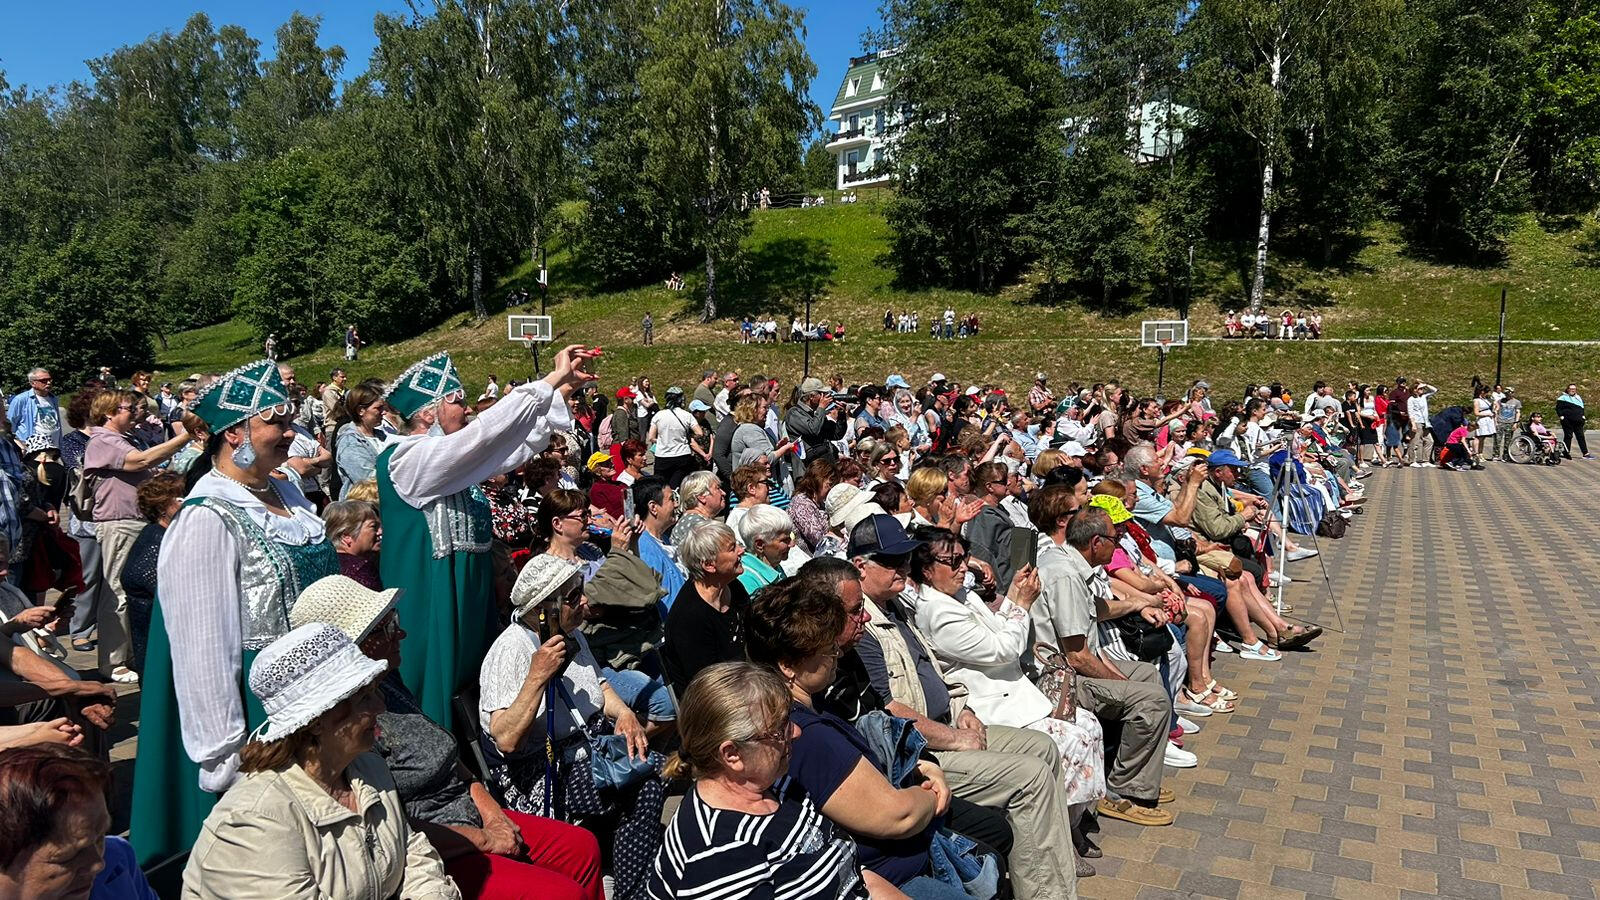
x: 80, y: 495
x: 1332, y: 525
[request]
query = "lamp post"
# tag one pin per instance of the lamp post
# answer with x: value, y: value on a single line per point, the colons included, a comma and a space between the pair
x: 806, y: 337
x: 1500, y: 345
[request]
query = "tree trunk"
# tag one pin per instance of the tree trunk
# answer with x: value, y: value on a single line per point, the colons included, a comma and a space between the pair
x: 1258, y: 284
x: 711, y: 284
x: 477, y: 285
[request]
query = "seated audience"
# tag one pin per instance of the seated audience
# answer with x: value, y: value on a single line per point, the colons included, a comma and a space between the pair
x: 1074, y: 548
x: 53, y: 824
x: 983, y: 643
x: 795, y: 627
x: 487, y: 850
x: 891, y: 666
x: 746, y: 828
x: 768, y: 535
x: 701, y: 499
x: 314, y: 811
x: 705, y: 624
x: 356, y: 534
x: 544, y: 708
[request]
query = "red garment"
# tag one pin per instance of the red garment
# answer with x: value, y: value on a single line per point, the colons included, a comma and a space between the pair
x: 564, y: 865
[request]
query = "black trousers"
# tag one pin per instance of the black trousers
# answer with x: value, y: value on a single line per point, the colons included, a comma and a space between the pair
x: 1573, y: 428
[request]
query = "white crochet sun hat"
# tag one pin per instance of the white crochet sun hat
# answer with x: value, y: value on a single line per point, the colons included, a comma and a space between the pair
x: 344, y: 603
x: 540, y: 577
x: 305, y: 673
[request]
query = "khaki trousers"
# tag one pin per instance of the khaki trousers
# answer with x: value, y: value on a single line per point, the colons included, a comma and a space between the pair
x: 1020, y: 773
x: 1142, y: 708
x: 116, y: 539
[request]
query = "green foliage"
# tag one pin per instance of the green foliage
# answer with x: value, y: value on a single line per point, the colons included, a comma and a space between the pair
x: 723, y: 95
x: 1460, y: 177
x: 68, y: 305
x: 976, y: 154
x: 320, y: 258
x: 819, y: 169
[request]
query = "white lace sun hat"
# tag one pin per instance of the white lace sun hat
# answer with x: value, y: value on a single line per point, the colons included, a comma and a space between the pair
x: 305, y: 673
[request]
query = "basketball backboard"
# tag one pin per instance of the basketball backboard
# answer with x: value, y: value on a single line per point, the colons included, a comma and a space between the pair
x: 1164, y: 333
x: 528, y: 328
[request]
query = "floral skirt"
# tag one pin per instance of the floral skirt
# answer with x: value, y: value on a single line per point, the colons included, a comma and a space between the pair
x: 1083, y: 754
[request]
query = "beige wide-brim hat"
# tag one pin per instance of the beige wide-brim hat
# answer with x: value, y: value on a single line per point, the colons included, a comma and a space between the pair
x: 344, y: 603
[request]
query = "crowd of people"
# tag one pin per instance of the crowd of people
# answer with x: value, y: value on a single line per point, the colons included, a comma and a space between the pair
x: 886, y: 640
x: 1288, y: 325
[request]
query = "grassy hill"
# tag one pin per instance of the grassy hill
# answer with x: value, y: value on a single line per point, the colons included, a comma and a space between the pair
x: 1552, y: 280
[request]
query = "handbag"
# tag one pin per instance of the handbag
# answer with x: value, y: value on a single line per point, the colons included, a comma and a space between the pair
x: 1145, y: 641
x: 1057, y: 682
x: 609, y: 761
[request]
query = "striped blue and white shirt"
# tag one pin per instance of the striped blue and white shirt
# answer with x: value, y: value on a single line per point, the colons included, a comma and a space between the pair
x: 793, y: 853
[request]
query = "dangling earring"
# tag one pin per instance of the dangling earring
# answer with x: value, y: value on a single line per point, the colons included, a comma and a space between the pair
x: 245, y: 455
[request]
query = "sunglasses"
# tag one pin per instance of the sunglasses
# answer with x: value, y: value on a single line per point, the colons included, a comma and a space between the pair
x: 896, y: 563
x: 954, y: 562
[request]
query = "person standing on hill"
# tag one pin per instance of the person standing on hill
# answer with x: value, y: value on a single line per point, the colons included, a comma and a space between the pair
x: 649, y: 325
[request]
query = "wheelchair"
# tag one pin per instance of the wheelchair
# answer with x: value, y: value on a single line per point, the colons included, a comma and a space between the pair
x: 1528, y: 448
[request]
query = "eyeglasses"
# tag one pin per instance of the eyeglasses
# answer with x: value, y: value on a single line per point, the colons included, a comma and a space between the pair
x: 954, y: 562
x: 780, y: 735
x: 43, y: 380
x: 127, y: 406
x: 388, y: 628
x: 897, y: 563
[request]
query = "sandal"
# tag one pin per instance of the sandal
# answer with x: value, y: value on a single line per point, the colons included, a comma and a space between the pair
x: 1260, y: 652
x: 1128, y: 811
x: 1209, y: 700
x: 1299, y: 637
x: 1221, y: 691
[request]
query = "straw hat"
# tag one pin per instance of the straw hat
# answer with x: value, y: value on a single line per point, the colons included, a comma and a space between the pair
x: 847, y: 504
x: 542, y: 576
x: 344, y: 603
x: 305, y: 673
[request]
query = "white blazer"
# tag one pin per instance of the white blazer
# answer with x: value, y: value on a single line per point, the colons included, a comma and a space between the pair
x: 983, y: 650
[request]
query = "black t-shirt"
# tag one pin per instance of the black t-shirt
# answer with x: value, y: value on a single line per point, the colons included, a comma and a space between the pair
x: 696, y: 635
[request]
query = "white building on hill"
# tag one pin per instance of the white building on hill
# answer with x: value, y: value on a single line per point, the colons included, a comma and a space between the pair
x: 861, y: 145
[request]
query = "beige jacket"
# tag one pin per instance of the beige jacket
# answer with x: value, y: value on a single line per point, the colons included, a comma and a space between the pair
x: 278, y: 835
x: 904, y: 686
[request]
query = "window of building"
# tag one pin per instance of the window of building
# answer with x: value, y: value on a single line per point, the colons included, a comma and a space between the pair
x: 852, y: 87
x: 852, y: 160
x: 877, y: 81
x: 854, y: 123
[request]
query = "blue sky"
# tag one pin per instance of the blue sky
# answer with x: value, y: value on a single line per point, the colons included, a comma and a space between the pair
x: 47, y: 43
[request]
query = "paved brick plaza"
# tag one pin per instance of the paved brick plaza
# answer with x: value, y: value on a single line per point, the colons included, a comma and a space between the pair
x: 1446, y: 744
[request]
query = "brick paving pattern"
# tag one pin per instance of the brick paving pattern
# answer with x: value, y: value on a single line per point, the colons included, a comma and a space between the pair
x: 1446, y: 744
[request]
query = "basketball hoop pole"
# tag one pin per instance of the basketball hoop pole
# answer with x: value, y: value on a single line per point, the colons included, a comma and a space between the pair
x: 1161, y: 369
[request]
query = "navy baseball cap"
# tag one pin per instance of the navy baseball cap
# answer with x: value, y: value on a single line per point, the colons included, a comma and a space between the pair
x: 880, y: 535
x: 1226, y: 458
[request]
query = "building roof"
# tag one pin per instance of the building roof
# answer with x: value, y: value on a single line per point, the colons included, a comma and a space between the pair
x: 867, y: 72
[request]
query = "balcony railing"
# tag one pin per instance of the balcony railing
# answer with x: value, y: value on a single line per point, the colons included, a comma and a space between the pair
x: 851, y: 133
x: 873, y: 174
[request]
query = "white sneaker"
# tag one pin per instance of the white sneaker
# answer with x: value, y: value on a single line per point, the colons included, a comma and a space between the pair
x: 1188, y: 726
x: 1346, y: 513
x: 1430, y: 465
x: 1179, y: 758
x: 1276, y: 579
x: 1416, y: 465
x: 1189, y: 708
x: 1300, y: 553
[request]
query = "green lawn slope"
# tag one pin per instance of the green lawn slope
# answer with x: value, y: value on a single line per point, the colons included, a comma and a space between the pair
x: 1552, y: 283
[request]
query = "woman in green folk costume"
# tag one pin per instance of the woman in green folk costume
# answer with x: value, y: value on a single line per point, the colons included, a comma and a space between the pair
x: 235, y: 557
x: 436, y: 527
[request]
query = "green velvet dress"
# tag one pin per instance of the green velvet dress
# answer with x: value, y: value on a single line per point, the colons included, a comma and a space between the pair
x: 169, y: 805
x: 439, y: 556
